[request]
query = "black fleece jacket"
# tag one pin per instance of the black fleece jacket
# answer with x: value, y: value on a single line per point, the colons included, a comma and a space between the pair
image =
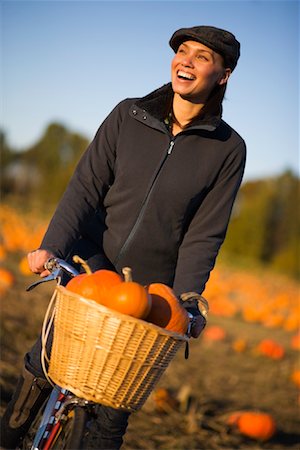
x: 157, y: 203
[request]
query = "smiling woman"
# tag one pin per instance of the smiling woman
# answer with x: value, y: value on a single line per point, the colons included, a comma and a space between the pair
x: 196, y: 72
x: 201, y: 68
x: 154, y: 192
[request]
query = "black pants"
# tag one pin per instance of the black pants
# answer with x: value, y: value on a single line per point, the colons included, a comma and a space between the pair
x: 112, y: 422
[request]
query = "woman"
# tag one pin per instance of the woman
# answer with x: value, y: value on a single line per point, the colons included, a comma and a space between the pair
x: 154, y: 191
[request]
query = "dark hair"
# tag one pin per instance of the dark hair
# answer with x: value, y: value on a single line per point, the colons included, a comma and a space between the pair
x: 213, y: 105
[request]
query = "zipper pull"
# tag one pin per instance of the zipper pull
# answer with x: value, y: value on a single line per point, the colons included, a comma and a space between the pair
x: 170, y: 147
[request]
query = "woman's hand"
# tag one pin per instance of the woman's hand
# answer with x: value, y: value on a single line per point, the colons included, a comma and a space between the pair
x: 196, y: 305
x: 198, y: 325
x: 37, y: 259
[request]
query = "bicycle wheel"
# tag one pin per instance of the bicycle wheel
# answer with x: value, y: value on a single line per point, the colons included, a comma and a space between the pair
x: 70, y: 432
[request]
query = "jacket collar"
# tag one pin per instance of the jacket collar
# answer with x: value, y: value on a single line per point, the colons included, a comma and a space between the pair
x: 154, y: 107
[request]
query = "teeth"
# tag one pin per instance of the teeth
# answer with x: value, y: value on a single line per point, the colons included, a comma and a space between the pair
x: 186, y: 75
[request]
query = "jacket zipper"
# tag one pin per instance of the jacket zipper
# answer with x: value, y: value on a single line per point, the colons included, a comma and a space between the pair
x: 144, y: 204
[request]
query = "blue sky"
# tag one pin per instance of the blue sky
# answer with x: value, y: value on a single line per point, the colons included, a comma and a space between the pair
x: 73, y: 61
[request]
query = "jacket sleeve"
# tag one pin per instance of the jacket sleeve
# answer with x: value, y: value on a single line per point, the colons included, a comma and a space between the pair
x: 86, y: 189
x: 207, y: 230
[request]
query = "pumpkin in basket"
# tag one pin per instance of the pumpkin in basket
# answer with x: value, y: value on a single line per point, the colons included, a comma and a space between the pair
x: 166, y: 310
x: 129, y: 297
x: 93, y: 285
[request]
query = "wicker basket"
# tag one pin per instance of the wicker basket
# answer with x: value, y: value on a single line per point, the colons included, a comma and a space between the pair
x: 105, y: 356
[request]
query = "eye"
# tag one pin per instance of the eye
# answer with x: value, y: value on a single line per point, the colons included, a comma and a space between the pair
x: 202, y: 57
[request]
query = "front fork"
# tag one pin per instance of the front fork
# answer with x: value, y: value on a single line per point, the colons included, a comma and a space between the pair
x: 48, y: 421
x: 60, y: 402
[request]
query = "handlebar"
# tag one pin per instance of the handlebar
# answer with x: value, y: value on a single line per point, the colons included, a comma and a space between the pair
x: 56, y: 263
x: 57, y: 267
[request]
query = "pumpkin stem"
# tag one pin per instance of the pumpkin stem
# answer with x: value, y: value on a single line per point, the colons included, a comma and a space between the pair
x: 127, y: 272
x: 84, y: 264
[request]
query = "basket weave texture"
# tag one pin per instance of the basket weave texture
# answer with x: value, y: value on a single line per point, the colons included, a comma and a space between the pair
x: 107, y: 357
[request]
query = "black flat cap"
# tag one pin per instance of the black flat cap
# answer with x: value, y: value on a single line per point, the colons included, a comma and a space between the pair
x: 220, y: 41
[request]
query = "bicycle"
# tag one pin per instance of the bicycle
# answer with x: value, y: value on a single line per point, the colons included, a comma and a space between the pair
x: 62, y: 421
x: 66, y: 420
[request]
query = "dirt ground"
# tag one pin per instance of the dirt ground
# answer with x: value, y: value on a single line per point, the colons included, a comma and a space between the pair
x: 203, y: 390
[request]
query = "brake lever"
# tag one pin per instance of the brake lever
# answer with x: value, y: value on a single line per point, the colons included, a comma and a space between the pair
x: 55, y: 275
x: 190, y: 324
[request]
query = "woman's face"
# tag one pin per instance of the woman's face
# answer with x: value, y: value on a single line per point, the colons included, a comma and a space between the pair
x: 195, y: 70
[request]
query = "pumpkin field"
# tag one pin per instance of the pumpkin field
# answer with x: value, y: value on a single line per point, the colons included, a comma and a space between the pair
x: 240, y: 386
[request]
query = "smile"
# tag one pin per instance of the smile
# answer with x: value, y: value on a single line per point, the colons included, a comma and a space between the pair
x: 185, y: 76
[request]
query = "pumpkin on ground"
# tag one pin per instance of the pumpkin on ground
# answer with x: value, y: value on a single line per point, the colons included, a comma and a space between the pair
x: 165, y: 400
x: 239, y: 345
x: 24, y: 267
x: 6, y: 279
x: 129, y: 297
x: 93, y: 285
x: 214, y: 333
x: 2, y: 252
x: 295, y: 377
x: 254, y: 424
x: 295, y: 341
x: 166, y: 310
x: 271, y: 349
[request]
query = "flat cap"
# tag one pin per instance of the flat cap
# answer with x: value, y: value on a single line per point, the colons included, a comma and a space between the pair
x: 220, y: 41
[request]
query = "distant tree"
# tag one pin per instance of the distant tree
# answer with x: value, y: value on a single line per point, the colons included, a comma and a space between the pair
x: 265, y: 223
x: 7, y: 157
x: 42, y: 172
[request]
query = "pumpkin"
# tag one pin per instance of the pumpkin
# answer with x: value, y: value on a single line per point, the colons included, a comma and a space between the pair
x: 2, y: 252
x: 165, y: 400
x: 24, y: 267
x: 256, y: 425
x: 295, y: 377
x: 6, y: 279
x: 214, y: 333
x: 271, y: 349
x: 166, y: 310
x: 93, y: 285
x: 295, y: 341
x: 239, y: 345
x: 129, y: 297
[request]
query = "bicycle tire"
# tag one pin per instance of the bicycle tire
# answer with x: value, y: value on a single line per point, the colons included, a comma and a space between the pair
x: 71, y: 431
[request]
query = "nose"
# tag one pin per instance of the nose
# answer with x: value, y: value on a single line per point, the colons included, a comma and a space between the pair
x: 187, y: 60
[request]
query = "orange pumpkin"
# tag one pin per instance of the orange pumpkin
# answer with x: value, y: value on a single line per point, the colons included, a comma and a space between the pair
x: 166, y: 310
x: 24, y: 267
x: 256, y: 425
x: 295, y: 377
x: 165, y: 400
x: 271, y: 349
x: 295, y: 341
x: 6, y: 279
x: 214, y: 333
x: 94, y: 285
x: 129, y: 297
x: 2, y: 252
x: 239, y: 345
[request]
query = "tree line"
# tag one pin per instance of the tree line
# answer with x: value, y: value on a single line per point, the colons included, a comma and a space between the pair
x: 264, y: 226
